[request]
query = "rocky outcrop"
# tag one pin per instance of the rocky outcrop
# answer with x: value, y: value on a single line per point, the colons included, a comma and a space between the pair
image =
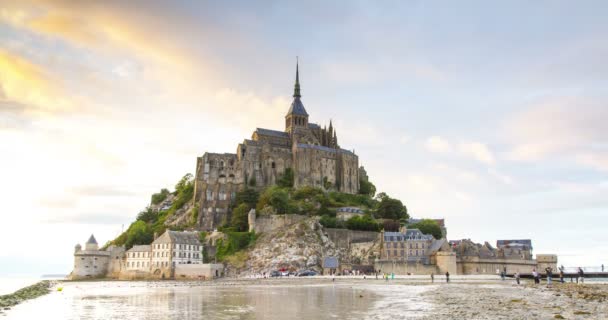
x: 294, y: 247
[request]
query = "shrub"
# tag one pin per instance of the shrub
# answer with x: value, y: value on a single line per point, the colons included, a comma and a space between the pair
x: 160, y: 197
x: 391, y: 225
x: 389, y: 208
x: 428, y: 226
x: 234, y: 242
x: 276, y: 197
x: 147, y: 215
x: 364, y: 223
x: 328, y: 222
x: 239, y: 218
x: 366, y: 188
x: 286, y: 179
x: 308, y: 192
x: 248, y: 196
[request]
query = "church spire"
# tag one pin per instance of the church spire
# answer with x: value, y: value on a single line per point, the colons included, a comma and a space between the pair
x: 296, y: 89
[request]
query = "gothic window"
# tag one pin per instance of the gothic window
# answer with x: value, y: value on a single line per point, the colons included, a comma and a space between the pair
x: 222, y: 164
x: 273, y: 165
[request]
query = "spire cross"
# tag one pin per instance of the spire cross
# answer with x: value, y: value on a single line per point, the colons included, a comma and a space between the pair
x: 296, y: 91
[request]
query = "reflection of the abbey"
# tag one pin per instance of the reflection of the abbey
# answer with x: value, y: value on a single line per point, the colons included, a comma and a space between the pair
x: 181, y: 301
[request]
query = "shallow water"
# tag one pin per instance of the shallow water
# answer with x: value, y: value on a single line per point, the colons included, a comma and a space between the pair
x: 179, y: 300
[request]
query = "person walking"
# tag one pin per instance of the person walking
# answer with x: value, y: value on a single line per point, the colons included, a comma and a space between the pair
x: 447, y: 277
x: 561, y: 275
x: 432, y: 277
x: 581, y: 274
x: 517, y: 276
x: 549, y: 271
x: 602, y: 267
x: 535, y: 276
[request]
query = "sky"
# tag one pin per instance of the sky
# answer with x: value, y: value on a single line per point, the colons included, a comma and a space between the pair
x: 490, y: 115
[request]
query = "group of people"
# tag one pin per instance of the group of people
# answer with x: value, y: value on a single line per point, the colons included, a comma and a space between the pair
x: 447, y: 277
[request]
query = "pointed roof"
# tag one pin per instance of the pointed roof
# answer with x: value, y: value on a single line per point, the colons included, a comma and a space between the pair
x: 92, y: 240
x: 297, y: 108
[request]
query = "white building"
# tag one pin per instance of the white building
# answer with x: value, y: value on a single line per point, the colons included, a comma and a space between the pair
x: 175, y: 247
x: 138, y: 258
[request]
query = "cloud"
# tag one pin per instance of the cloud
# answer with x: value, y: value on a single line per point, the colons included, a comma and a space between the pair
x: 438, y: 144
x: 101, y: 191
x: 478, y: 151
x: 30, y: 87
x: 570, y: 128
x: 470, y: 149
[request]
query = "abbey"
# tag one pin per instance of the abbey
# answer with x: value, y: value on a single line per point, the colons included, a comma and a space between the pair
x: 312, y: 153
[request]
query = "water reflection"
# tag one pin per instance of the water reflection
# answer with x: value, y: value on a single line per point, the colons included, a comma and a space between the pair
x: 178, y: 300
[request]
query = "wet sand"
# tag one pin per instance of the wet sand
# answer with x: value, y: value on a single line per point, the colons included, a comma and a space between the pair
x: 475, y: 297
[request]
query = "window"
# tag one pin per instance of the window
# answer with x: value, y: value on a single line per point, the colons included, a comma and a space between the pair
x: 273, y: 165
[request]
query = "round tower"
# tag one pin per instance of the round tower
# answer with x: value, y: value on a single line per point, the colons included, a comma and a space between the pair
x: 77, y: 248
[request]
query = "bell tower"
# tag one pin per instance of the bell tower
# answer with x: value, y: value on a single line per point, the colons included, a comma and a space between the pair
x: 297, y: 115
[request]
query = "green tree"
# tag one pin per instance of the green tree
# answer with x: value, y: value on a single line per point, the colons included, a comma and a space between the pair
x: 286, y: 179
x: 367, y: 188
x: 160, y: 197
x: 390, y: 208
x: 139, y: 233
x: 253, y: 182
x: 184, y: 183
x: 239, y: 218
x: 428, y: 226
x: 248, y: 196
x: 390, y: 225
x: 364, y: 223
x: 327, y: 184
x: 147, y: 215
x: 276, y: 197
x: 328, y: 222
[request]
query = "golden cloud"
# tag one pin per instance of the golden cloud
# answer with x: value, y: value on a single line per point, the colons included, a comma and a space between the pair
x: 30, y: 85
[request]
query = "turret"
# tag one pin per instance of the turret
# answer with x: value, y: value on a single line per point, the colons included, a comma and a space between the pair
x: 77, y: 248
x: 91, y: 244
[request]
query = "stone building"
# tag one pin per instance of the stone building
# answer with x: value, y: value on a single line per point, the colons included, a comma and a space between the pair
x: 410, y: 245
x: 312, y: 152
x: 138, y: 258
x: 94, y: 263
x: 173, y: 248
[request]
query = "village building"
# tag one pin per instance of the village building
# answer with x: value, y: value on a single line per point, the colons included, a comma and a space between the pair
x: 138, y: 258
x: 409, y: 245
x: 176, y: 247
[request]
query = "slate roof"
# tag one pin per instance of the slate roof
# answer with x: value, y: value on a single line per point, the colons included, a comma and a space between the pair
x: 314, y: 126
x: 273, y: 133
x: 350, y: 209
x: 297, y: 108
x: 523, y: 243
x: 330, y: 262
x: 92, y: 240
x: 436, y: 245
x: 184, y: 237
x: 413, y: 234
x: 142, y: 248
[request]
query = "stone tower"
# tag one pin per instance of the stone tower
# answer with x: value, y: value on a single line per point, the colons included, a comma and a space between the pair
x: 296, y: 117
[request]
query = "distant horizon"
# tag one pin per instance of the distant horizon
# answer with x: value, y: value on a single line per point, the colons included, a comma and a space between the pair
x: 489, y: 115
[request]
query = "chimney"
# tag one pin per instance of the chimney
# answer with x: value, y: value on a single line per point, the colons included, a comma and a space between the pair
x: 155, y: 235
